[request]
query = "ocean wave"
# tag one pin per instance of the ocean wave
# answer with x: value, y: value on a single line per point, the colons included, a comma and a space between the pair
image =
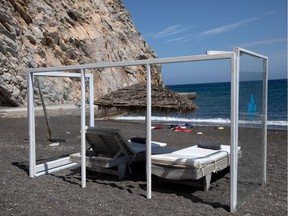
x: 202, y: 121
x: 278, y: 123
x: 171, y: 120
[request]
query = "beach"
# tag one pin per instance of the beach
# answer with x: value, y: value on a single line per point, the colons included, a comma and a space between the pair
x: 61, y: 194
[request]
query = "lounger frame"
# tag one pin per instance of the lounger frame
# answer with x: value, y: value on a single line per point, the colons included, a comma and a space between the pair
x: 114, y: 152
x: 182, y: 173
x: 109, y: 150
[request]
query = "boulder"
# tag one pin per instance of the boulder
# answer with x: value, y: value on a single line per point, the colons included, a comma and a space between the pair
x: 41, y: 33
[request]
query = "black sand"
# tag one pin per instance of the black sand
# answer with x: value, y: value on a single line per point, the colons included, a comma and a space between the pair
x: 61, y: 192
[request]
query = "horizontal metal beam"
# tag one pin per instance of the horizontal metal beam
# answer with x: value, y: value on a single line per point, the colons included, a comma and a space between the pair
x: 61, y: 74
x: 224, y: 55
x: 257, y: 55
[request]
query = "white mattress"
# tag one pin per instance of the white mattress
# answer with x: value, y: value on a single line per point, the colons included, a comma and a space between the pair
x: 192, y: 156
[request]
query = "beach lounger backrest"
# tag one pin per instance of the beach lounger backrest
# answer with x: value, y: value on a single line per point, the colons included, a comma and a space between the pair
x: 107, y: 142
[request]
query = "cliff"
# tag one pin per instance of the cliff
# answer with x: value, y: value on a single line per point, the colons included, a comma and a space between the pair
x: 42, y: 33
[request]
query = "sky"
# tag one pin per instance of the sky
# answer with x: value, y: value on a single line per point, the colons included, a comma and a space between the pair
x: 192, y: 27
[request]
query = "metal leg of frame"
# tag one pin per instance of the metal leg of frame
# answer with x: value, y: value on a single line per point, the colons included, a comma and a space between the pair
x: 148, y: 134
x: 264, y: 132
x: 83, y: 131
x: 91, y: 100
x: 31, y: 119
x: 234, y: 131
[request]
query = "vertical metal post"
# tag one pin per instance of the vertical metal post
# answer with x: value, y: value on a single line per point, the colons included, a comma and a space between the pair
x: 91, y: 100
x: 264, y: 121
x: 31, y: 119
x: 148, y: 134
x: 83, y: 131
x: 234, y: 130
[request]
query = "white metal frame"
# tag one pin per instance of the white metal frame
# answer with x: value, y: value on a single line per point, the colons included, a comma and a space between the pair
x: 63, y: 163
x: 234, y: 123
x: 211, y: 55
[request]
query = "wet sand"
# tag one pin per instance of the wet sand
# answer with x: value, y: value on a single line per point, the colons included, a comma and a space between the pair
x: 61, y: 193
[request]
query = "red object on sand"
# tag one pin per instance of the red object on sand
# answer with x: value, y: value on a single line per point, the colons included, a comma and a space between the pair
x: 178, y: 128
x: 186, y: 130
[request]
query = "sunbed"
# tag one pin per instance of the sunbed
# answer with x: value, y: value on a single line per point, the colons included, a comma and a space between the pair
x: 191, y: 163
x: 108, y: 149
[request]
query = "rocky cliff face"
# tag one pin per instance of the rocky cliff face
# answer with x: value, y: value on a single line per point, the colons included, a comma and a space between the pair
x: 42, y: 33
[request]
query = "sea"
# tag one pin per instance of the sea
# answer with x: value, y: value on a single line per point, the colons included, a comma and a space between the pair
x: 213, y: 105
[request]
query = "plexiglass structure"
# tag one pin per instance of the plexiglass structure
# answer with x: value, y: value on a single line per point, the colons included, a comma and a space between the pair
x: 249, y: 75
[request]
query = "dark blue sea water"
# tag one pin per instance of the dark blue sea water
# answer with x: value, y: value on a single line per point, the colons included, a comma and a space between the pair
x: 213, y: 102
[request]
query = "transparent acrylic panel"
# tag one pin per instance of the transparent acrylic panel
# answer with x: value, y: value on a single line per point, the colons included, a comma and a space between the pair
x: 58, y: 135
x: 250, y: 135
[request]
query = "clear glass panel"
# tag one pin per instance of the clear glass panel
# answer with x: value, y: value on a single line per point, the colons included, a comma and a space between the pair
x: 56, y: 137
x: 250, y: 135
